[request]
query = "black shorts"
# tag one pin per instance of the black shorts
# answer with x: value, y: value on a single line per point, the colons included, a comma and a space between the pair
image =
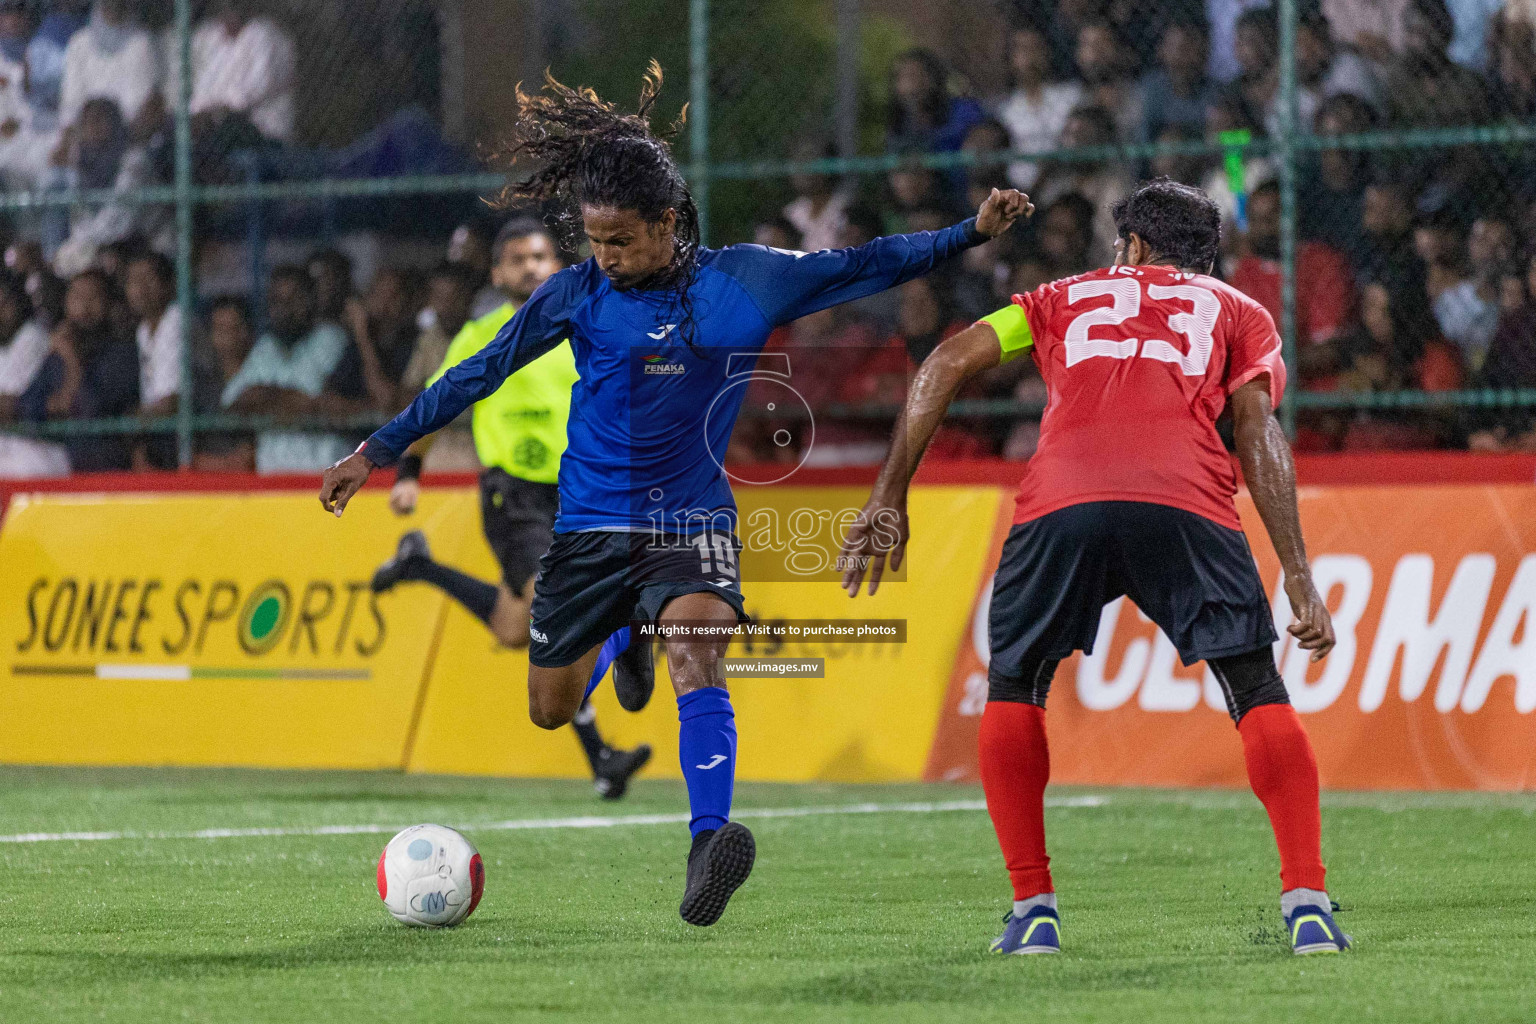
x: 518, y: 517
x: 1192, y: 577
x: 593, y: 583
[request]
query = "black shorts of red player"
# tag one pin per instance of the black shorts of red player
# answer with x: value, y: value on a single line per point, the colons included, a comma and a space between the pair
x: 1196, y: 579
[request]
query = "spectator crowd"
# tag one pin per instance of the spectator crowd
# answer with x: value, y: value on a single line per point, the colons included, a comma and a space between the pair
x: 1416, y: 267
x: 108, y: 344
x: 86, y: 94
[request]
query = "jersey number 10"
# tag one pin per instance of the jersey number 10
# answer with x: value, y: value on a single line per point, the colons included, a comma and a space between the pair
x: 717, y: 556
x: 1195, y: 325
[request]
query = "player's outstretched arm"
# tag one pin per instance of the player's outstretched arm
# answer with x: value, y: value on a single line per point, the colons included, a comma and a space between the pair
x: 1271, y: 477
x: 787, y: 285
x: 881, y: 530
x: 538, y: 326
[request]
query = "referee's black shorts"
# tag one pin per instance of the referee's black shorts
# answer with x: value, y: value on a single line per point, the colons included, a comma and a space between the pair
x: 518, y: 517
x: 1193, y: 577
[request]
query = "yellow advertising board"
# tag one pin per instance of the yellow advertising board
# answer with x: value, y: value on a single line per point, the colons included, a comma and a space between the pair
x: 239, y: 630
x: 213, y: 629
x: 872, y: 717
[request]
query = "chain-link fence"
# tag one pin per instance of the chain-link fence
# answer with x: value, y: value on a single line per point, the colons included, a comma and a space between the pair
x: 310, y: 173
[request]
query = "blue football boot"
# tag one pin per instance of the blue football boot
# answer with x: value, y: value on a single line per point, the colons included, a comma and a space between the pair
x: 1038, y: 931
x: 1313, y: 930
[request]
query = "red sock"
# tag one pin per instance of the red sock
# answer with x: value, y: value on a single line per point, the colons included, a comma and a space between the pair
x: 1283, y: 772
x: 1015, y: 765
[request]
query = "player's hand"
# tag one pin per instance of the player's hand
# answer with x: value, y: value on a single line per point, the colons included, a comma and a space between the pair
x: 1001, y: 209
x: 403, y: 496
x: 880, y: 532
x: 1313, y: 628
x: 342, y: 481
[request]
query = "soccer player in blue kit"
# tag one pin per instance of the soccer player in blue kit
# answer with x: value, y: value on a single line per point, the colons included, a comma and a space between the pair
x: 646, y: 526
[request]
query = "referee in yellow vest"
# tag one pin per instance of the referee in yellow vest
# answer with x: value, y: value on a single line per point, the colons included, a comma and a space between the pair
x: 519, y: 436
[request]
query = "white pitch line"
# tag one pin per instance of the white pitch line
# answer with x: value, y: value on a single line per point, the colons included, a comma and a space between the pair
x: 533, y: 824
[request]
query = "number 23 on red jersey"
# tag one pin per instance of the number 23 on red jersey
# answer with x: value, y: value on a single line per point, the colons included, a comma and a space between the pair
x: 1177, y: 319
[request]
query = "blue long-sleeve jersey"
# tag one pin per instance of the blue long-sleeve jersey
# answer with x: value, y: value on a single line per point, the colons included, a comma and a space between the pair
x: 651, y: 416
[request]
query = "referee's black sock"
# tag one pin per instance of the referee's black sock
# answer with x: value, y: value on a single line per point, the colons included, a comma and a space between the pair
x: 476, y: 595
x: 585, y: 724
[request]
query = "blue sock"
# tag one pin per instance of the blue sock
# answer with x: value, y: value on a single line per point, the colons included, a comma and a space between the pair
x: 614, y: 646
x: 706, y: 746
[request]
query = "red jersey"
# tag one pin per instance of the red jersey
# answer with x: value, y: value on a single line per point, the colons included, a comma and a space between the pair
x: 1138, y: 363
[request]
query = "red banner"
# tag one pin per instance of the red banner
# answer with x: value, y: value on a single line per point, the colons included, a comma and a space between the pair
x: 1432, y: 684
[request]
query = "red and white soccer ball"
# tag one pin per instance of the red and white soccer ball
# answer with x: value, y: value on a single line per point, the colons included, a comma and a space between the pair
x: 430, y: 876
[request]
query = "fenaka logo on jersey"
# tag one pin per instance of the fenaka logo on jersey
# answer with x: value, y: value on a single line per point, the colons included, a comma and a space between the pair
x: 662, y: 366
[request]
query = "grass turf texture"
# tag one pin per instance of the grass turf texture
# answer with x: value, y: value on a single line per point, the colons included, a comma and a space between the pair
x: 1169, y: 903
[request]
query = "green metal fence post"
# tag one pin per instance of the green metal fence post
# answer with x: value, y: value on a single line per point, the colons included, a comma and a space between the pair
x: 1287, y: 154
x: 698, y: 108
x: 184, y: 292
x: 845, y: 104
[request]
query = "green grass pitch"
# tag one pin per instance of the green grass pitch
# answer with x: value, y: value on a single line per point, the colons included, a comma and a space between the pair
x: 1168, y: 898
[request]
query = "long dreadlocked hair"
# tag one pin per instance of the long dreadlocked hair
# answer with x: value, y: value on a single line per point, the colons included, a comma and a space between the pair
x: 588, y: 152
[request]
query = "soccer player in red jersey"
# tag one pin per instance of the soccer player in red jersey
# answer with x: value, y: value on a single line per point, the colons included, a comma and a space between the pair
x: 1130, y: 494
